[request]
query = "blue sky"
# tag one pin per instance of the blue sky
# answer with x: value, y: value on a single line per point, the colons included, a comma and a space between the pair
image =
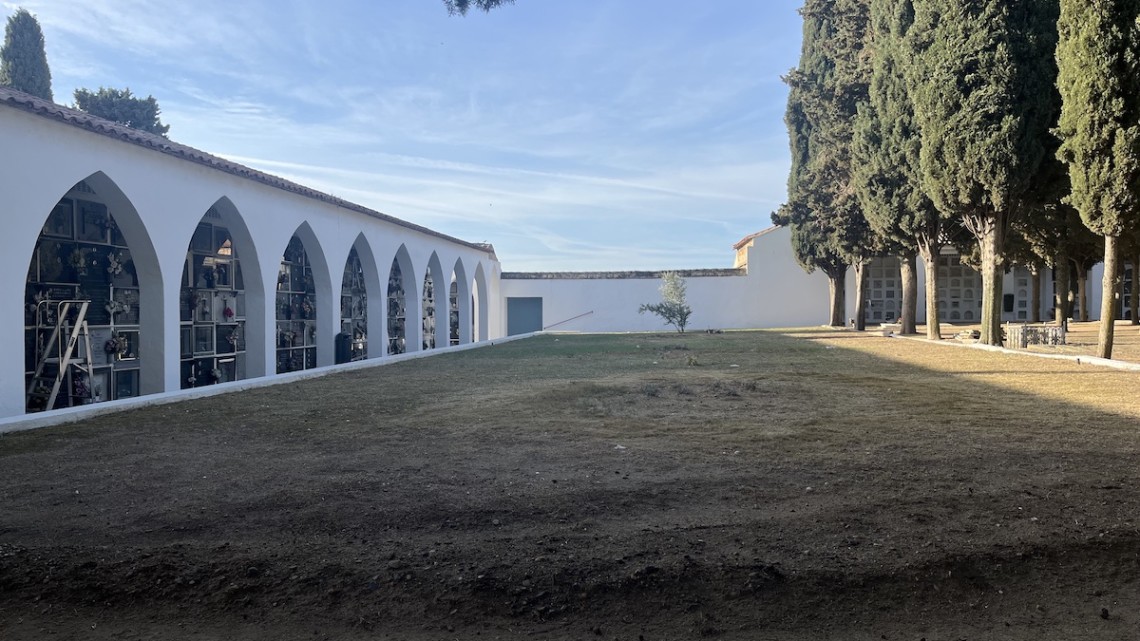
x: 573, y: 135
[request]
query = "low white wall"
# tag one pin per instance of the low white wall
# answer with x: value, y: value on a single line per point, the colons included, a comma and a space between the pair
x: 158, y: 192
x: 81, y: 412
x: 775, y: 292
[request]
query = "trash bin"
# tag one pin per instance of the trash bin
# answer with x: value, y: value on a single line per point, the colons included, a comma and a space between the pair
x: 343, y: 348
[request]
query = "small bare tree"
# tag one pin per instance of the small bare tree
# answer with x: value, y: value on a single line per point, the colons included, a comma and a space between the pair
x: 672, y: 308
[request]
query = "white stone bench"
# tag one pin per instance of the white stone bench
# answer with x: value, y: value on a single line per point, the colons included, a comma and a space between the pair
x: 890, y: 328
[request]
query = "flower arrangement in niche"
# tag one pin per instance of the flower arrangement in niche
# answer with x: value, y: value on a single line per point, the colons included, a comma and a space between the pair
x: 227, y: 312
x: 37, y: 298
x: 287, y: 338
x: 116, y: 307
x: 234, y: 337
x: 81, y: 388
x: 306, y: 308
x: 50, y: 267
x: 216, y: 375
x: 116, y: 345
x: 77, y: 261
x: 114, y: 263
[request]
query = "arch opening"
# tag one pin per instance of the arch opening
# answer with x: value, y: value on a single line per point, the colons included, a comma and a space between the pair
x: 429, y: 312
x: 296, y: 310
x: 397, y: 310
x: 83, y: 254
x: 212, y: 307
x: 453, y: 312
x: 352, y: 342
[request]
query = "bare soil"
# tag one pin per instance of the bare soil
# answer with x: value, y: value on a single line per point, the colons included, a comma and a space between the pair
x: 750, y: 485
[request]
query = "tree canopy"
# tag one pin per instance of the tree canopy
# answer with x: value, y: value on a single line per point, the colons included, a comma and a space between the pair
x: 122, y: 107
x: 1098, y: 58
x: 460, y: 7
x: 829, y: 231
x: 886, y: 150
x: 23, y: 61
x: 982, y: 84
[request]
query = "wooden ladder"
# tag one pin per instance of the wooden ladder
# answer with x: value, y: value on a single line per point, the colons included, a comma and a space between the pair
x: 60, y: 360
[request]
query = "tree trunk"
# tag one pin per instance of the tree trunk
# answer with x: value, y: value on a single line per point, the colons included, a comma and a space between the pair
x: 991, y: 242
x: 1083, y: 292
x: 1061, y: 292
x: 1035, y: 315
x: 1110, y: 289
x: 1134, y: 292
x: 929, y: 253
x: 837, y: 286
x: 860, y: 296
x: 909, y: 277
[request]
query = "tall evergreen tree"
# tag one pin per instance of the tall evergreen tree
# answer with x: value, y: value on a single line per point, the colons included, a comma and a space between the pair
x: 982, y: 74
x: 886, y: 169
x: 1098, y: 56
x: 829, y: 231
x: 23, y: 62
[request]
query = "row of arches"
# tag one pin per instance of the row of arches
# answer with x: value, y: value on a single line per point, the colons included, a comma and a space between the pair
x: 233, y: 321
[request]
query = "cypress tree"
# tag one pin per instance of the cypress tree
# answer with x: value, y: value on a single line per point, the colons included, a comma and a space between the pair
x: 1098, y: 56
x: 23, y: 62
x: 981, y: 79
x: 829, y: 231
x: 886, y: 169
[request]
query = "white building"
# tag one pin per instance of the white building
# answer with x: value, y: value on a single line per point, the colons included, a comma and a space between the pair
x: 197, y: 270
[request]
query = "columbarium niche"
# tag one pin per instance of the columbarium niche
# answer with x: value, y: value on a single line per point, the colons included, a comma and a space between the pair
x: 296, y: 310
x: 352, y: 343
x: 81, y: 283
x: 453, y: 313
x: 397, y: 311
x: 428, y: 312
x: 212, y: 312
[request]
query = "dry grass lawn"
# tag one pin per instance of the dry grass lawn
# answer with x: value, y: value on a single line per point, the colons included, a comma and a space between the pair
x: 747, y: 485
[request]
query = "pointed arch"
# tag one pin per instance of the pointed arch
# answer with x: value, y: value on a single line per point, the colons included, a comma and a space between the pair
x: 221, y: 302
x: 305, y: 318
x: 94, y: 248
x: 481, y: 300
x: 460, y: 304
x: 361, y: 311
x: 403, y: 297
x: 434, y: 299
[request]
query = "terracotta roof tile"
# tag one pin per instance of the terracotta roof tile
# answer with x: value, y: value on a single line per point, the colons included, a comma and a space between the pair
x: 750, y: 237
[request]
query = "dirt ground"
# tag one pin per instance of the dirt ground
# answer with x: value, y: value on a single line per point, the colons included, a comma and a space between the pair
x: 751, y: 485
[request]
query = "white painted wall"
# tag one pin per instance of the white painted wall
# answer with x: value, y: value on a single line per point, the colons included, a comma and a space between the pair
x: 775, y: 292
x: 158, y: 200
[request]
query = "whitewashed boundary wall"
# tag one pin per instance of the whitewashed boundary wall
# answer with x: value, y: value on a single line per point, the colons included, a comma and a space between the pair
x: 773, y: 291
x: 158, y: 192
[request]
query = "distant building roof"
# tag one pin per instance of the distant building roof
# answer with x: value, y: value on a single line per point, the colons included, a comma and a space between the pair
x: 750, y: 237
x: 19, y: 100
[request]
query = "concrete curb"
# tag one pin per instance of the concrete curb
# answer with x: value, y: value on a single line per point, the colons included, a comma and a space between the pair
x: 79, y: 413
x: 1078, y: 359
